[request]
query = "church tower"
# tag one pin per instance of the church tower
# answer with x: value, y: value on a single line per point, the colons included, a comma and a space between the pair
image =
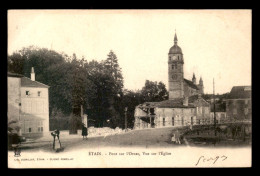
x: 175, y: 71
x: 201, y: 86
x: 194, y: 79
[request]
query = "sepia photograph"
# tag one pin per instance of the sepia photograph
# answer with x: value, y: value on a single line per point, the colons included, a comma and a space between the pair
x: 129, y: 88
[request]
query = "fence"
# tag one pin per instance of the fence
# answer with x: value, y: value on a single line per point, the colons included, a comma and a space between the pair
x: 167, y: 123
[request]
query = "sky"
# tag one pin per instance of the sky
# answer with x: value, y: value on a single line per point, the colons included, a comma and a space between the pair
x: 215, y: 43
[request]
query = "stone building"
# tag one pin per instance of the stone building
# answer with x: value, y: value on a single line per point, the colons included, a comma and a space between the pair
x: 28, y: 103
x: 185, y: 105
x: 177, y: 112
x: 238, y: 103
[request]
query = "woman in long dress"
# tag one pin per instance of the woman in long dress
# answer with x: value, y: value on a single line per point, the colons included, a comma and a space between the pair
x: 84, y: 131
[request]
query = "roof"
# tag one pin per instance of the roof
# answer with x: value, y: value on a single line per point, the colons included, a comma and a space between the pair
x: 149, y: 104
x: 175, y: 103
x: 240, y: 92
x: 27, y: 82
x: 190, y: 84
x: 196, y: 100
x: 175, y: 49
x: 10, y: 74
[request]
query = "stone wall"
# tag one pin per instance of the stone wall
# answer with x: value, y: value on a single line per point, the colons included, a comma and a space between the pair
x: 14, y: 97
x: 239, y: 109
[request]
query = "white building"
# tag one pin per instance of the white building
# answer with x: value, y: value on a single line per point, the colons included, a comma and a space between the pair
x: 28, y: 103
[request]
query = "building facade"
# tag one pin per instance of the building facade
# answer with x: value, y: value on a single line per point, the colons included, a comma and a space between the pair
x: 178, y: 112
x: 238, y: 103
x: 31, y: 105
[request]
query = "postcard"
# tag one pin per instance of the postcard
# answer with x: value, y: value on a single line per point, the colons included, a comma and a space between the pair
x: 129, y: 88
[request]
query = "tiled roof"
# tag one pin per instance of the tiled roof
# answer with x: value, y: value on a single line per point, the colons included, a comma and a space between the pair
x: 190, y: 84
x: 14, y: 75
x: 149, y: 104
x: 175, y: 103
x: 238, y: 92
x: 27, y: 82
x: 195, y: 100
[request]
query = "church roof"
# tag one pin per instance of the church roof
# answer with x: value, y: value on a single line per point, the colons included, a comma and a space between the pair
x: 190, y: 84
x: 175, y: 49
x: 238, y: 92
x: 27, y: 82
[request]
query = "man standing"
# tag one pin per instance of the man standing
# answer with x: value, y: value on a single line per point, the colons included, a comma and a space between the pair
x: 177, y: 137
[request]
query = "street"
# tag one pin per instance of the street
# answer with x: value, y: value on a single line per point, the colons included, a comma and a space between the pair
x: 144, y: 138
x: 147, y: 138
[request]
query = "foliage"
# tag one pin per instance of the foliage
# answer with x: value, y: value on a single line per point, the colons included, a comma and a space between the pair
x: 75, y: 82
x: 153, y: 91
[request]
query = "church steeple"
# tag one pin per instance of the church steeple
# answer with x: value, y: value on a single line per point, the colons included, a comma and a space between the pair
x: 194, y: 79
x: 201, y: 81
x: 175, y: 39
x: 201, y: 86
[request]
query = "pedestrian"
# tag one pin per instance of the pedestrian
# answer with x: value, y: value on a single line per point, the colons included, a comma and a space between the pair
x: 191, y: 127
x: 177, y: 136
x: 84, y: 131
x: 173, y: 138
x: 56, y: 133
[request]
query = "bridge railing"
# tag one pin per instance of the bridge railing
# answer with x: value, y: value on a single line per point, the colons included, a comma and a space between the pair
x: 185, y: 122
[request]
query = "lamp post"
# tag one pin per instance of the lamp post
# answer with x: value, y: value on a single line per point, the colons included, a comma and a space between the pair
x: 125, y: 118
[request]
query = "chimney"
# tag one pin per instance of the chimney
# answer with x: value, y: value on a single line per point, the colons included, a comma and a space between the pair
x: 185, y: 101
x: 32, y: 74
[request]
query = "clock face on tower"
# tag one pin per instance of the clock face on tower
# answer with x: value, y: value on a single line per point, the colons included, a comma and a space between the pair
x: 174, y: 77
x: 174, y: 57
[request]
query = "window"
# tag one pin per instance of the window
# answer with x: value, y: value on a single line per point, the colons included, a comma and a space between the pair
x: 246, y: 111
x: 172, y: 121
x: 163, y: 121
x: 178, y: 57
x: 30, y: 130
x: 39, y: 93
x: 174, y: 66
x: 27, y: 92
x: 40, y: 124
x: 40, y: 129
x: 235, y: 111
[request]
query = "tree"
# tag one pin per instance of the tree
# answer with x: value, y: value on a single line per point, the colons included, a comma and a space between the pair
x: 153, y: 91
x: 74, y: 82
x: 130, y: 100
